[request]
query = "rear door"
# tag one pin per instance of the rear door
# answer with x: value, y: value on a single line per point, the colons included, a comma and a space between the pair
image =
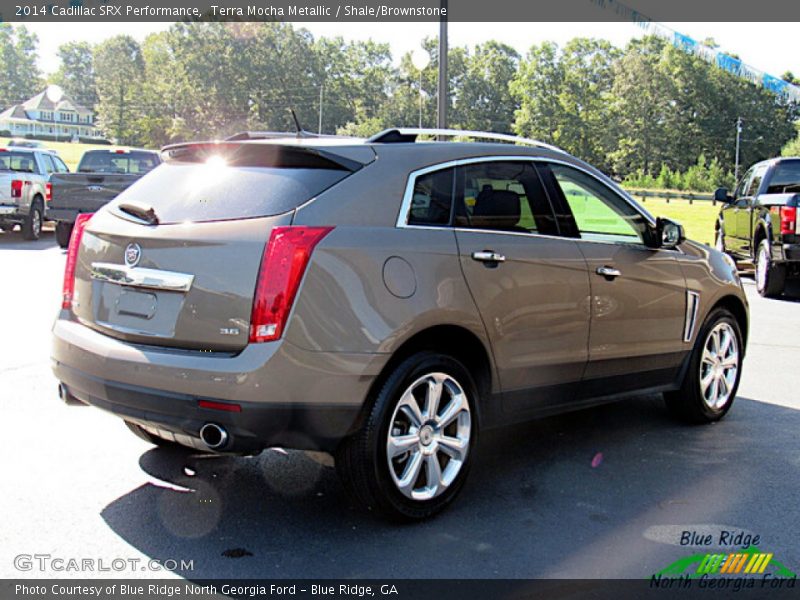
x: 173, y: 261
x: 743, y: 211
x: 638, y: 294
x: 530, y: 285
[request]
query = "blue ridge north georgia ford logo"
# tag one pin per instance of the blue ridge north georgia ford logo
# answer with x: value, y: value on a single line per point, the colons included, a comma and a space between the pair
x: 133, y: 253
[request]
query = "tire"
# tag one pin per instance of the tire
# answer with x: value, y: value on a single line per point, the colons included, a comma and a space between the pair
x: 394, y: 489
x: 706, y: 395
x: 32, y: 226
x: 142, y: 433
x: 63, y: 233
x: 770, y: 278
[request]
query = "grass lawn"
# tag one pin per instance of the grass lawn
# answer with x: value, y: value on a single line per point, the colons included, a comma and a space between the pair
x: 70, y: 153
x: 698, y: 218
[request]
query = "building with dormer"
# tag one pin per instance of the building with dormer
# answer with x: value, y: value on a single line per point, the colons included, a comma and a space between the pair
x: 40, y: 116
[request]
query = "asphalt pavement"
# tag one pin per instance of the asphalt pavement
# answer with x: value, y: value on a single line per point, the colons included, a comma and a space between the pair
x: 606, y: 492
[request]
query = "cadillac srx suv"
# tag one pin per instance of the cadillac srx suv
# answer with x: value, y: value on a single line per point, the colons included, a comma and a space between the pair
x: 386, y: 300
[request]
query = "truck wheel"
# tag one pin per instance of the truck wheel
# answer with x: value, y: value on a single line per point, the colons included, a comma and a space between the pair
x: 32, y: 226
x: 411, y: 457
x: 715, y: 369
x: 770, y: 278
x: 63, y: 233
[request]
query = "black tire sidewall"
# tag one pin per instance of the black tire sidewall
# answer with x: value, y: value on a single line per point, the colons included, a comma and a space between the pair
x: 63, y: 233
x: 392, y: 501
x: 707, y: 413
x: 35, y: 214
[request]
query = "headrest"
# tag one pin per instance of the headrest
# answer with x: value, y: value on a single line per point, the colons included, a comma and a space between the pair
x: 496, y: 209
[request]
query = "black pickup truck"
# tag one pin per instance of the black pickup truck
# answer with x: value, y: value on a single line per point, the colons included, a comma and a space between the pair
x: 759, y: 223
x: 101, y: 176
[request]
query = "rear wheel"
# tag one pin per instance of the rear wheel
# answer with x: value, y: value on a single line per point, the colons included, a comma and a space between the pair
x: 715, y: 369
x: 770, y: 278
x: 32, y: 227
x: 412, y: 455
x: 63, y: 233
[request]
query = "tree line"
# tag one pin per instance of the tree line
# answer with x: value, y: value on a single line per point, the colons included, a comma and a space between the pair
x: 647, y: 112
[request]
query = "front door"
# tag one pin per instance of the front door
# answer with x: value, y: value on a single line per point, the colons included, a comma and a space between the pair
x: 530, y: 285
x: 638, y: 294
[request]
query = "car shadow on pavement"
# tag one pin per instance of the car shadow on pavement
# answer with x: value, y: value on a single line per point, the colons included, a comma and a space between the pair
x: 568, y: 496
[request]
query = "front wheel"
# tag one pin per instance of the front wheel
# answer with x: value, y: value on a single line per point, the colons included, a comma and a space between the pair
x: 715, y: 368
x: 411, y: 457
x: 770, y: 278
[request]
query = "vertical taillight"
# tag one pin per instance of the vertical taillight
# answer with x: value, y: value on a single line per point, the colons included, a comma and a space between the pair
x: 16, y: 188
x: 68, y: 290
x: 788, y: 219
x: 283, y: 264
x: 48, y: 192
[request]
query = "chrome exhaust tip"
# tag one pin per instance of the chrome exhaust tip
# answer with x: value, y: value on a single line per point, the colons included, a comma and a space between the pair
x: 67, y: 398
x: 214, y: 436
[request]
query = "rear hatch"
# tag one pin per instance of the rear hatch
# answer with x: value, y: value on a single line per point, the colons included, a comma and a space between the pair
x: 174, y: 260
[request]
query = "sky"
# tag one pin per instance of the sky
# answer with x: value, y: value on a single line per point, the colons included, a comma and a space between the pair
x: 770, y: 47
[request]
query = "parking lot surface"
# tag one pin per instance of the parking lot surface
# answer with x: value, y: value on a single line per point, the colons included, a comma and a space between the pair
x: 606, y: 492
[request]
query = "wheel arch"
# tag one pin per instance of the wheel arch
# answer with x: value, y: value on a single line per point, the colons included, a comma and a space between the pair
x: 453, y: 340
x: 739, y: 311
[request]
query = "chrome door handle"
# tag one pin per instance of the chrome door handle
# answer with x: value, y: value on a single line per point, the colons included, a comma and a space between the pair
x: 608, y: 272
x: 488, y: 256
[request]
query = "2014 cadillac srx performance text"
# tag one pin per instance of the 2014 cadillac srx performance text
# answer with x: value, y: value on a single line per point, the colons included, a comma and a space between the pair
x: 386, y: 300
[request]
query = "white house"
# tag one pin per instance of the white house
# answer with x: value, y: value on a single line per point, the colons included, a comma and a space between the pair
x: 42, y: 116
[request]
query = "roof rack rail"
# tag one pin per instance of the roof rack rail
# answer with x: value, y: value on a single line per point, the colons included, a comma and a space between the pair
x: 409, y: 135
x: 268, y: 135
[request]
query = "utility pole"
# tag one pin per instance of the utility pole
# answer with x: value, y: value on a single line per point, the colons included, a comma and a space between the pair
x: 738, y: 135
x: 441, y: 115
x: 321, y: 89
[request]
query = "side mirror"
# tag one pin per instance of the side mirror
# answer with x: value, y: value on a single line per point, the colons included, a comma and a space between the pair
x: 722, y: 195
x: 669, y: 234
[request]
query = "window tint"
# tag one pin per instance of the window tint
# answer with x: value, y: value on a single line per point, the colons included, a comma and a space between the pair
x: 49, y: 165
x: 785, y: 179
x: 432, y: 200
x: 113, y: 162
x: 503, y: 196
x: 743, y: 184
x: 60, y: 166
x: 600, y: 214
x: 21, y: 162
x: 755, y: 182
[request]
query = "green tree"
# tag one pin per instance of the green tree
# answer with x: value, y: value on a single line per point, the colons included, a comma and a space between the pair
x: 20, y: 78
x: 76, y: 73
x: 119, y: 69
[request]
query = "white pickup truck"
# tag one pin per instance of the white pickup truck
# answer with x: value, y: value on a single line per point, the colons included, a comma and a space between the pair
x: 25, y: 189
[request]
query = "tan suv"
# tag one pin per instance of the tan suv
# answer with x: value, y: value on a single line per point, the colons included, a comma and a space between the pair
x: 385, y: 300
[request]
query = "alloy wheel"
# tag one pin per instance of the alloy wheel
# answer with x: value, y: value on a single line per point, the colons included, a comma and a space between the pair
x: 719, y: 365
x: 429, y: 436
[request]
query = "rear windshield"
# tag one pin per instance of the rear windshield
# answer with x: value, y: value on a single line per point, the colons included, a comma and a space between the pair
x: 120, y: 163
x: 785, y: 179
x: 21, y: 162
x: 180, y: 192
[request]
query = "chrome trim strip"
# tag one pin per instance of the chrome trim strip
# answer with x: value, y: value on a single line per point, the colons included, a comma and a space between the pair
x: 153, y: 279
x: 405, y: 206
x: 692, y: 305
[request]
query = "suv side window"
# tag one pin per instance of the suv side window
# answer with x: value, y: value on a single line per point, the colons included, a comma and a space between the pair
x: 432, y: 199
x: 503, y: 196
x: 600, y: 214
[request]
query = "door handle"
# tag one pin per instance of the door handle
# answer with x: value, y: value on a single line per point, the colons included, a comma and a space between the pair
x: 488, y: 256
x: 608, y: 272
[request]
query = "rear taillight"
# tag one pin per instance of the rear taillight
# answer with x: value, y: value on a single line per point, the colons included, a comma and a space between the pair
x: 68, y: 290
x: 48, y: 192
x: 16, y: 188
x: 788, y: 219
x: 285, y: 259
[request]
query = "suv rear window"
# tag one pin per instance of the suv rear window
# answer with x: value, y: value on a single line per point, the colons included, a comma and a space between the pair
x: 785, y: 179
x: 239, y: 185
x: 120, y: 163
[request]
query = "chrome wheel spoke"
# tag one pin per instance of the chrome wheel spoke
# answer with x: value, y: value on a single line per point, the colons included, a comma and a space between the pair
x: 453, y: 447
x: 434, y: 395
x: 410, y: 409
x: 452, y: 410
x: 410, y: 473
x: 400, y: 444
x: 719, y: 365
x: 433, y: 473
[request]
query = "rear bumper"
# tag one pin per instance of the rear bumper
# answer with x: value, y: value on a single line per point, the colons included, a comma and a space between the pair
x: 11, y: 214
x: 287, y: 396
x: 62, y: 214
x: 791, y: 253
